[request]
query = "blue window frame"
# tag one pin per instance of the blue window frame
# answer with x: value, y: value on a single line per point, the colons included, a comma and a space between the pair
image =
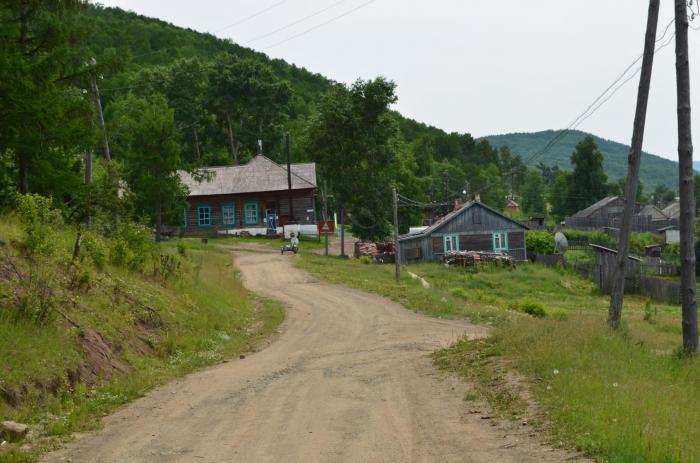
x: 228, y: 214
x: 185, y: 217
x: 204, y: 216
x: 450, y: 243
x: 251, y: 213
x: 500, y: 242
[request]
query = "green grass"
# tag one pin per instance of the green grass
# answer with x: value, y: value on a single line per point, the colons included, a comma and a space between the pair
x: 619, y: 398
x: 162, y: 329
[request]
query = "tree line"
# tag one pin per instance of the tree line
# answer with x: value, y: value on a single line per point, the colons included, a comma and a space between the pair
x: 176, y: 99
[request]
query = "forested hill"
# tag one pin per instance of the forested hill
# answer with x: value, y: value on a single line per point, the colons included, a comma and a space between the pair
x: 654, y: 170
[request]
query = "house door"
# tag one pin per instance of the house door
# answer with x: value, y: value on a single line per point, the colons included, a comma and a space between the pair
x: 271, y: 219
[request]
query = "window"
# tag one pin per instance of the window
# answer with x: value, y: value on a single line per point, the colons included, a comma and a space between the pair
x: 451, y: 243
x: 204, y: 216
x: 185, y: 217
x: 228, y: 214
x: 476, y: 216
x: 250, y: 209
x: 500, y: 242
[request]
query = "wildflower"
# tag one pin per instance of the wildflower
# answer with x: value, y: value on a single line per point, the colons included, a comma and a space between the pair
x: 549, y: 388
x: 615, y: 385
x: 556, y: 372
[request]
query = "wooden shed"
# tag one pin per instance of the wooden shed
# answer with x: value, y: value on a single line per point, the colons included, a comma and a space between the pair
x: 473, y: 227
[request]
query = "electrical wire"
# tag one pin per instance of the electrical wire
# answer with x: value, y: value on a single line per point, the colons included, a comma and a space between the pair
x: 252, y: 16
x: 294, y: 23
x: 311, y: 29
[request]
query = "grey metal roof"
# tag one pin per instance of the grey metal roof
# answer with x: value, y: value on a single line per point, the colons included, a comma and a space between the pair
x: 260, y: 174
x: 653, y: 211
x: 446, y: 219
x: 595, y: 206
x: 672, y: 211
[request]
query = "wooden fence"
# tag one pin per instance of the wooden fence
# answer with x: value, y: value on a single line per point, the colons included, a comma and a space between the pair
x: 639, y: 223
x: 639, y: 278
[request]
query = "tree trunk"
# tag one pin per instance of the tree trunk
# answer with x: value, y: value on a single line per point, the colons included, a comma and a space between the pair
x: 231, y: 141
x: 685, y: 169
x: 88, y: 195
x: 196, y: 145
x: 615, y: 312
x: 76, y: 245
x: 23, y: 166
x: 342, y: 232
x: 159, y: 220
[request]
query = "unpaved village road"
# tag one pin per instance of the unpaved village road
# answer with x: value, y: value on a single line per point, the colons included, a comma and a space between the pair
x: 348, y: 380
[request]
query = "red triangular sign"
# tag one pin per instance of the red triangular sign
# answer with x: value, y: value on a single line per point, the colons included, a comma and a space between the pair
x: 325, y: 227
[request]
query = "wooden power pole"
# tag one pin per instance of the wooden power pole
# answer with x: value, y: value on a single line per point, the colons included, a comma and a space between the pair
x: 325, y: 216
x: 685, y: 170
x: 397, y: 254
x: 618, y: 290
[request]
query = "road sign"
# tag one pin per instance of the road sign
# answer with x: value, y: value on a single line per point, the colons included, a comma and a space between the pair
x: 326, y: 227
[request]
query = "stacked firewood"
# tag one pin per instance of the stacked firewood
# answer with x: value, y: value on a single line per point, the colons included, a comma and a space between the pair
x: 473, y: 258
x: 381, y: 253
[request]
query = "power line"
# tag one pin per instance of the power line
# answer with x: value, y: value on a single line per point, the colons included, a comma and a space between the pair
x: 252, y: 16
x: 294, y: 23
x: 311, y: 29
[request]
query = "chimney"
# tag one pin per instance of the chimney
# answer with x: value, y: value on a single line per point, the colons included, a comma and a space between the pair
x: 458, y: 204
x: 477, y: 198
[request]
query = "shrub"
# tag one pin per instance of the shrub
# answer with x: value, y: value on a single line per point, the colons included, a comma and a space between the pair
x: 459, y: 292
x: 594, y: 237
x: 365, y: 260
x: 532, y: 308
x: 181, y: 248
x: 95, y: 249
x: 539, y: 242
x: 131, y: 246
x: 638, y: 241
x: 39, y: 221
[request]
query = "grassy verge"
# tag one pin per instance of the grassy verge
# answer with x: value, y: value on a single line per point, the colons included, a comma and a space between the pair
x: 156, y: 329
x: 619, y: 398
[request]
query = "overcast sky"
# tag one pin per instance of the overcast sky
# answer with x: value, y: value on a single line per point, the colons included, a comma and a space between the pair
x: 479, y: 66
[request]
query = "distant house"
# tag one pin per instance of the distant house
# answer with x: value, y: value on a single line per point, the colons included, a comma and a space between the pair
x: 653, y: 212
x: 513, y: 206
x: 672, y: 211
x: 600, y: 213
x: 254, y: 197
x: 671, y: 234
x: 607, y: 214
x: 472, y: 227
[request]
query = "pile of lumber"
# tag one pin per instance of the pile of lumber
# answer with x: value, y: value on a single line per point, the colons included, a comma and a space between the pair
x: 381, y: 253
x: 473, y: 258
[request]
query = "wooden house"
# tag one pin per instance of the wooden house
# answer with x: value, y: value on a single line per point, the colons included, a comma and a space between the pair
x: 473, y: 227
x: 259, y: 197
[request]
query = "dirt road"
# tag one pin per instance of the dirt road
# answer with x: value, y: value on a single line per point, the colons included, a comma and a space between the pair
x: 348, y: 380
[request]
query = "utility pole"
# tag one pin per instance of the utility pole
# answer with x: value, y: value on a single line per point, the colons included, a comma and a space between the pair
x: 342, y: 231
x: 633, y: 160
x: 685, y: 170
x: 397, y: 254
x: 88, y: 182
x: 100, y: 114
x: 325, y: 215
x: 289, y: 176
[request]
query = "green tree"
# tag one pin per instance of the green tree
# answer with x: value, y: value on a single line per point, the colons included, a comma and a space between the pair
x: 42, y: 114
x: 559, y: 194
x: 353, y: 136
x: 146, y: 142
x: 588, y: 181
x: 533, y: 194
x: 250, y: 100
x: 662, y: 195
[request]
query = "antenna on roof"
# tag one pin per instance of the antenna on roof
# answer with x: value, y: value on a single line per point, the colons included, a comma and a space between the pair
x: 260, y: 147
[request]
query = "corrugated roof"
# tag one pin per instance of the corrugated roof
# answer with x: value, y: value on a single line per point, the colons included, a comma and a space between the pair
x: 594, y: 207
x: 446, y: 218
x: 260, y: 174
x: 672, y: 211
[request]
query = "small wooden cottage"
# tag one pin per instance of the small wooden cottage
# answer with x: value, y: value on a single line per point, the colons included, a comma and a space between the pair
x: 259, y: 197
x: 473, y: 227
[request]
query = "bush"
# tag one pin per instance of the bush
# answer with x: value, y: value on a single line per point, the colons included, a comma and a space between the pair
x: 39, y: 220
x: 459, y: 292
x: 532, y: 308
x: 131, y: 246
x: 639, y: 241
x: 95, y: 249
x: 539, y: 242
x: 594, y: 237
x: 365, y: 260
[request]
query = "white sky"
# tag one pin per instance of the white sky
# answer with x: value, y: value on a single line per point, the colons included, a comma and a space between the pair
x: 479, y: 66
